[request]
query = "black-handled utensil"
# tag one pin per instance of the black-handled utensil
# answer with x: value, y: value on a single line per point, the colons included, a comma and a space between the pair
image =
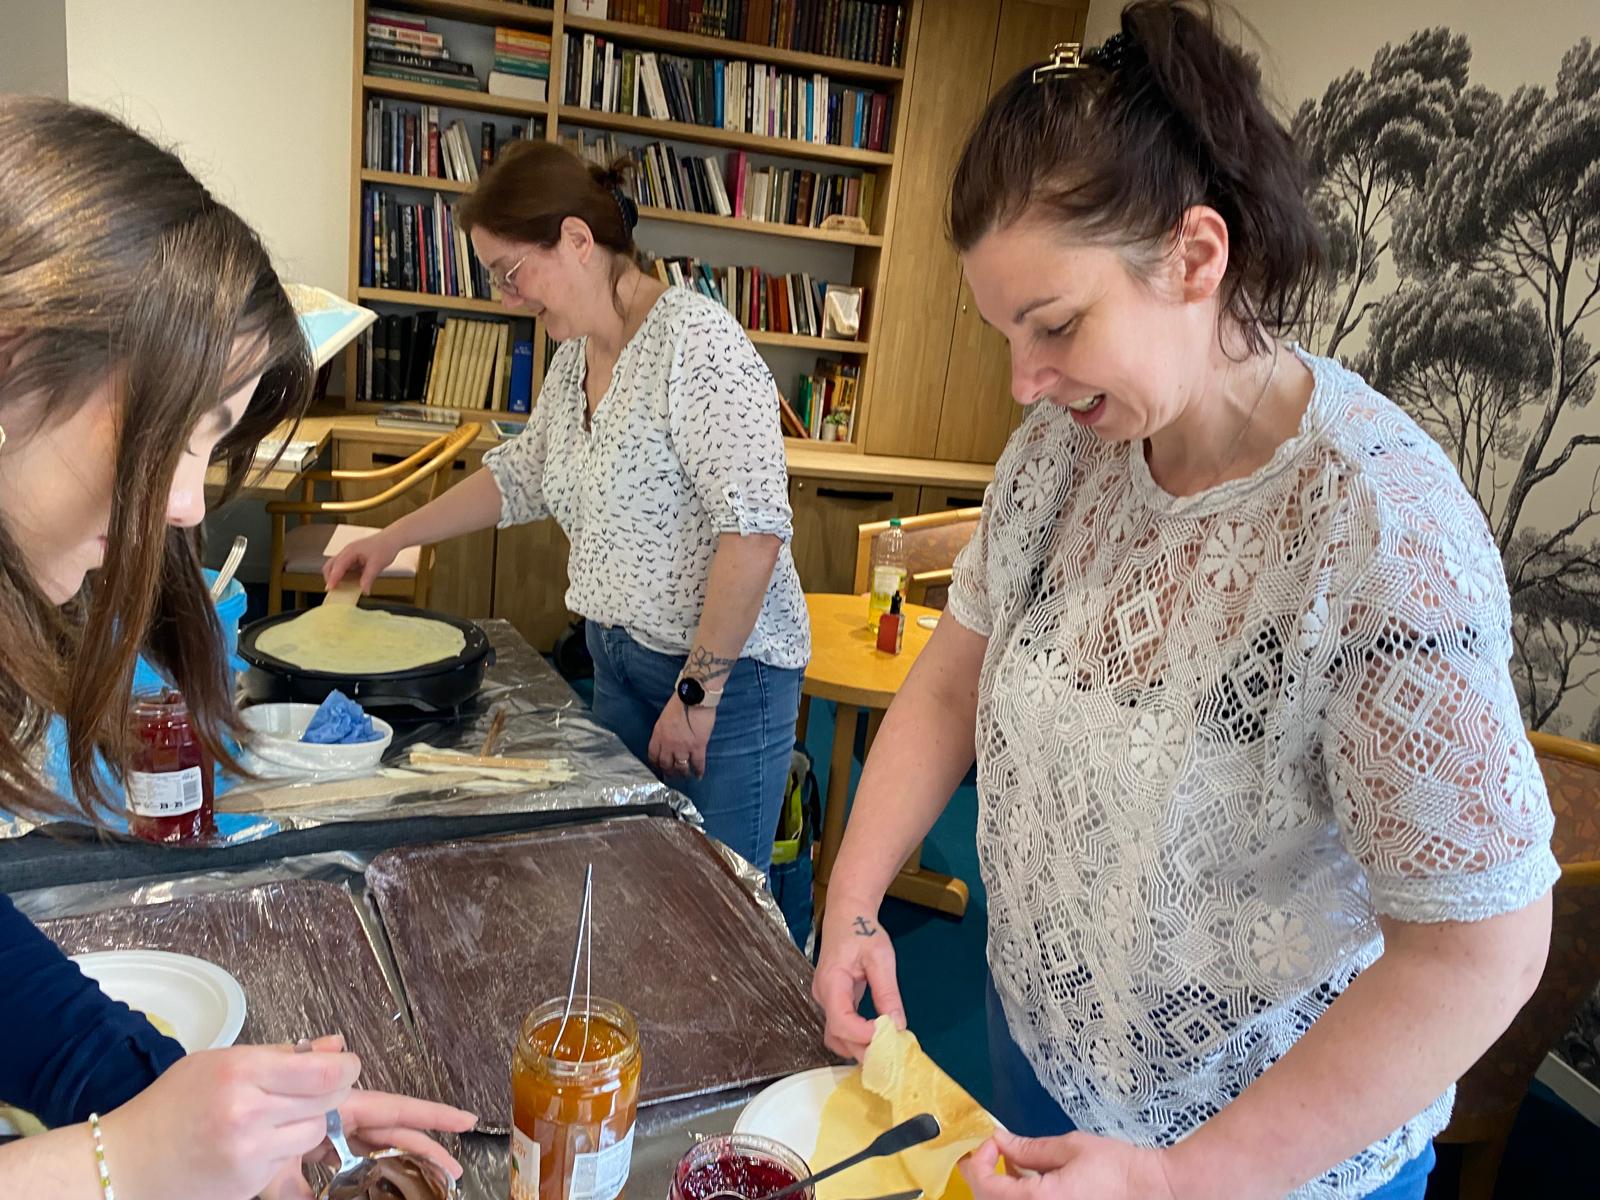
x: 903, y: 1136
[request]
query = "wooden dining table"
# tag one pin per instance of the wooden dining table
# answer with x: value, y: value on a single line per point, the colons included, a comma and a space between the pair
x: 847, y: 668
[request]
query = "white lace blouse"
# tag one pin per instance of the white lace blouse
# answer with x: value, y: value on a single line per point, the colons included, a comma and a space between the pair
x: 1218, y: 735
x: 684, y: 446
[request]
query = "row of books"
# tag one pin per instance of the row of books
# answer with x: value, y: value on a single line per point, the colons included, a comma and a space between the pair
x: 870, y: 31
x: 780, y: 195
x: 521, y: 65
x: 456, y: 363
x: 824, y: 406
x: 744, y: 97
x: 411, y: 139
x: 759, y: 300
x: 729, y: 185
x: 522, y: 53
x: 418, y: 247
x: 402, y: 46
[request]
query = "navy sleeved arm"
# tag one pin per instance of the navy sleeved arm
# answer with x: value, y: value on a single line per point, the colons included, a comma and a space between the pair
x: 69, y: 1049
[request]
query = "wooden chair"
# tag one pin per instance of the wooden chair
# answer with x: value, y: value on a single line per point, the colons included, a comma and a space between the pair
x: 1490, y: 1093
x: 932, y: 542
x: 298, y: 554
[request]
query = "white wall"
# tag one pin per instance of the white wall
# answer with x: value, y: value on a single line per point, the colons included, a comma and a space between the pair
x: 256, y: 97
x: 33, y: 48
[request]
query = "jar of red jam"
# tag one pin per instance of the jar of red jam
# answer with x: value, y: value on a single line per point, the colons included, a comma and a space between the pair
x: 574, y: 1098
x: 738, y: 1164
x: 170, y: 786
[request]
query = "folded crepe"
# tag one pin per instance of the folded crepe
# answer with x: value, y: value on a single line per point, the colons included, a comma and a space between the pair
x: 896, y: 1082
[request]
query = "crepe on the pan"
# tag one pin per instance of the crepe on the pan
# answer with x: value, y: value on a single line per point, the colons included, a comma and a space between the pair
x: 341, y: 639
x: 898, y: 1081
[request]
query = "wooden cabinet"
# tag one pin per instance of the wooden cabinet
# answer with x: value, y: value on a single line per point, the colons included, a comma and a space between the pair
x: 940, y: 376
x: 943, y: 499
x: 911, y: 337
x: 463, y: 575
x: 530, y: 581
x: 826, y: 514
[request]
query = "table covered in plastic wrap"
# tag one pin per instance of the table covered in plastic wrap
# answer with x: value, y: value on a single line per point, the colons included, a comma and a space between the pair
x: 289, y: 902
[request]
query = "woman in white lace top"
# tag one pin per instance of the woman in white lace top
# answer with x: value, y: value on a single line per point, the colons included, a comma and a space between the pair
x: 1266, y: 849
x: 656, y: 447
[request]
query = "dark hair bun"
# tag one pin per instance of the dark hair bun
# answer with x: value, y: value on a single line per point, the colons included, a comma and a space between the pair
x: 1166, y: 115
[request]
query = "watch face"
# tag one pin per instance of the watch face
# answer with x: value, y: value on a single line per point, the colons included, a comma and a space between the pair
x: 691, y: 691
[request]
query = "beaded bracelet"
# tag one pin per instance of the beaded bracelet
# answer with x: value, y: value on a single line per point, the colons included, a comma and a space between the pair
x: 106, y: 1191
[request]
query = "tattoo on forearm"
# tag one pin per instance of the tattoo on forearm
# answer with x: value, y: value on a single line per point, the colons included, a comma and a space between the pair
x: 706, y: 666
x: 865, y: 928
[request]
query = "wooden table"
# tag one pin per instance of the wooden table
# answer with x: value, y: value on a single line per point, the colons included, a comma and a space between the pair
x: 847, y: 667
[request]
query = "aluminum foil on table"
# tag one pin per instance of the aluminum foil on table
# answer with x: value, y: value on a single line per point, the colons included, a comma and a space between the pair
x: 665, y: 1131
x: 544, y: 720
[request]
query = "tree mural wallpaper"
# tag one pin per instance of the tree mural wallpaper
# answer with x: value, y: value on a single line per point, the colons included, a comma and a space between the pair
x: 1463, y: 281
x: 1486, y: 210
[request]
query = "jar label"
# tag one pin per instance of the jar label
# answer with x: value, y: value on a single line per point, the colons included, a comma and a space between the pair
x: 602, y: 1176
x: 524, y: 1166
x: 170, y: 794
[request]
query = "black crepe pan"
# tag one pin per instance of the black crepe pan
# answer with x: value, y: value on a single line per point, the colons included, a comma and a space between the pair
x: 436, y: 687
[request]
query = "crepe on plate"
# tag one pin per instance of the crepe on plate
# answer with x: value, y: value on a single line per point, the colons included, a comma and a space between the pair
x: 898, y: 1081
x: 341, y: 639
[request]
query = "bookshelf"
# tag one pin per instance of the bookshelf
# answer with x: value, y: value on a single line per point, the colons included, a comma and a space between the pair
x: 690, y: 43
x: 853, y: 257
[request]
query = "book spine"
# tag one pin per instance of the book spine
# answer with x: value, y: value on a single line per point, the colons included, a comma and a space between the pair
x: 420, y: 62
x: 407, y: 75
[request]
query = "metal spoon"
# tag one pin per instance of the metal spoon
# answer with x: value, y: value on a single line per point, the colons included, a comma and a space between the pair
x: 354, y: 1168
x: 348, y: 1161
x: 225, y: 576
x: 903, y: 1136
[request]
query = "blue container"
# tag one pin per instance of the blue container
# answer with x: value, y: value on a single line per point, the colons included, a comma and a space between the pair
x: 230, y: 612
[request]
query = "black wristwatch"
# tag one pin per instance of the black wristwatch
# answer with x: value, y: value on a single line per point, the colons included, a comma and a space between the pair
x: 695, y: 694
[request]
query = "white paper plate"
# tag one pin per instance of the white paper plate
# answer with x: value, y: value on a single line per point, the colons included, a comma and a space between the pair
x: 790, y: 1111
x: 202, y: 1003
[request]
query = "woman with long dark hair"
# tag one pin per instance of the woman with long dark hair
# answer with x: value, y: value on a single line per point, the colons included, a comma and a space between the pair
x: 143, y: 336
x: 1266, y: 849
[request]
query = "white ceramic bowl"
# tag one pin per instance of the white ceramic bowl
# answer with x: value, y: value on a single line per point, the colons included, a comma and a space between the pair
x: 274, y: 746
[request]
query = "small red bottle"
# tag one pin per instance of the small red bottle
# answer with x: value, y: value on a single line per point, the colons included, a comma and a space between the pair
x: 892, y: 627
x: 170, y: 786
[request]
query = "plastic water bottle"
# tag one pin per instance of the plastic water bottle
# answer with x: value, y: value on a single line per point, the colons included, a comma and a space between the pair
x: 888, y: 572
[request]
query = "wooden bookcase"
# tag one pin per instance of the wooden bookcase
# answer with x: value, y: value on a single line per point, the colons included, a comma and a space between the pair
x: 868, y: 252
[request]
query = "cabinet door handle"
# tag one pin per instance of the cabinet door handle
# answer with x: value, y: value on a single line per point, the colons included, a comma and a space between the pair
x: 829, y: 493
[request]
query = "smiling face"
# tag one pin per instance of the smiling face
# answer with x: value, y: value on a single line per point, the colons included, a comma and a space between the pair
x: 1120, y: 342
x: 57, y: 485
x: 559, y: 284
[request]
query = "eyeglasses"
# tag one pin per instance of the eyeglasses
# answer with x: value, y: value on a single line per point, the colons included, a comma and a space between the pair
x: 502, y: 279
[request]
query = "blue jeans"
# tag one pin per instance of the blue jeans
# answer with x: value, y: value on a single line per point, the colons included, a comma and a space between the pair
x: 1023, y: 1106
x: 747, y: 759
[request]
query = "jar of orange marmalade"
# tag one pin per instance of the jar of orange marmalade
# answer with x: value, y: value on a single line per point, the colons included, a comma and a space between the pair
x: 573, y: 1105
